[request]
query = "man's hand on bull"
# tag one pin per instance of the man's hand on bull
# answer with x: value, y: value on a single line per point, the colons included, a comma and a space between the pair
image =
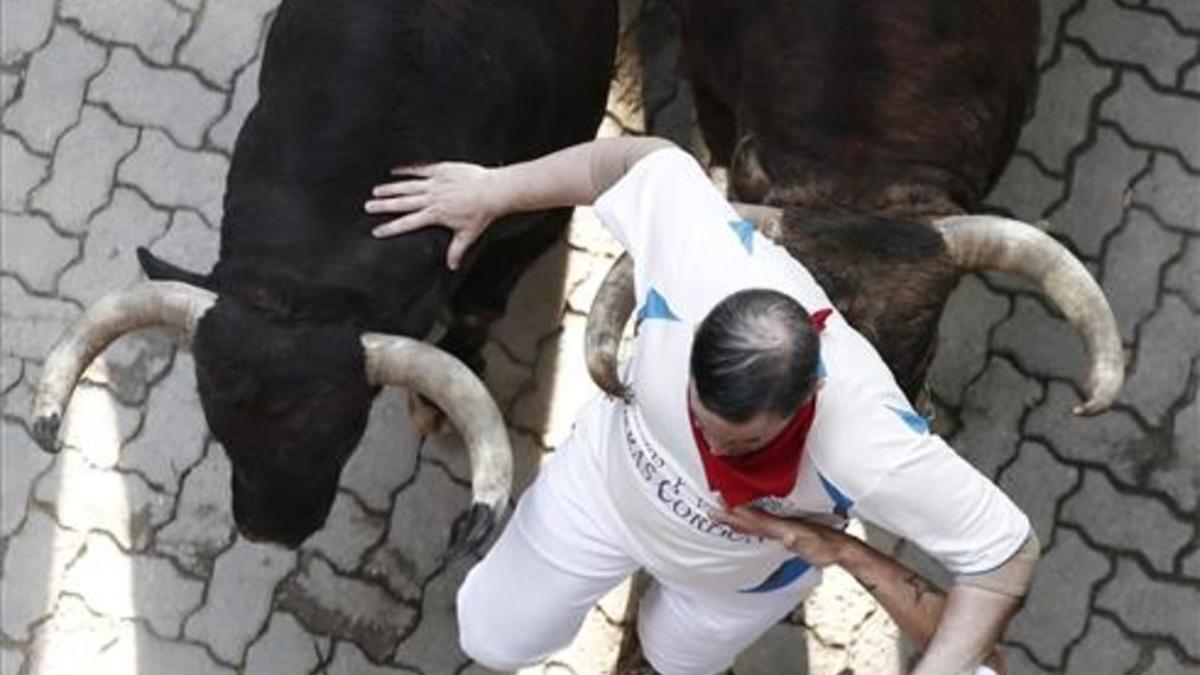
x: 467, y: 197
x: 457, y: 195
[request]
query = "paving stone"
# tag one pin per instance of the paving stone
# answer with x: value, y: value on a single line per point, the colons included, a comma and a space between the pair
x: 350, y: 660
x: 284, y: 649
x: 11, y: 661
x: 536, y: 304
x: 1187, y: 429
x: 226, y: 37
x: 20, y: 171
x: 1060, y: 119
x: 39, y: 552
x: 506, y: 379
x: 83, y: 170
x: 588, y: 233
x: 1140, y: 247
x: 585, y: 272
x: 781, y: 649
x: 1167, y: 663
x: 173, y: 435
x: 1036, y: 481
x: 34, y: 251
x: 1056, y: 608
x: 224, y: 133
x: 1041, y: 344
x: 188, y: 243
x: 11, y: 372
x: 1020, y: 664
x: 1095, y: 205
x: 1153, y: 607
x: 112, y: 647
x: 26, y: 25
x: 1145, y: 525
x: 85, y: 498
x: 562, y: 385
x: 97, y: 426
x: 1160, y: 373
x: 1111, y: 438
x: 1105, y: 649
x: 386, y: 457
x: 1052, y: 13
x: 347, y: 534
x: 109, y: 251
x: 177, y: 178
x: 54, y: 85
x: 419, y: 530
x: 448, y: 451
x: 124, y: 586
x: 1025, y: 191
x: 153, y: 26
x: 1185, y: 12
x: 203, y: 526
x: 239, y: 598
x: 1175, y: 123
x: 1179, y: 476
x: 21, y: 461
x: 992, y: 409
x: 9, y: 83
x: 433, y: 646
x: 1191, y: 81
x: 1172, y: 192
x: 1106, y: 27
x: 347, y: 608
x: 967, y: 319
x: 1184, y: 275
x: 141, y: 94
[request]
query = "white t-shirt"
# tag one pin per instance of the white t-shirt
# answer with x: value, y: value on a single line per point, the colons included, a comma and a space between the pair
x: 867, y: 455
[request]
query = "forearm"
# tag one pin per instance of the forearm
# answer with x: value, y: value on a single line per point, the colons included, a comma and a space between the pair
x: 977, y: 611
x: 569, y: 177
x: 914, y: 603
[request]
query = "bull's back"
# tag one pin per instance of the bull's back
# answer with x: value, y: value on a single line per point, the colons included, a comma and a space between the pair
x: 351, y: 88
x: 864, y: 93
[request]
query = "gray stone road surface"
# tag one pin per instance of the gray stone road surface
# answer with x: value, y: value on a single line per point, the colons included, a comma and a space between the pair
x: 119, y: 555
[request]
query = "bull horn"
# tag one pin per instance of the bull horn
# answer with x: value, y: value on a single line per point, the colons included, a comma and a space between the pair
x: 606, y: 323
x: 992, y: 242
x: 401, y: 361
x: 149, y: 303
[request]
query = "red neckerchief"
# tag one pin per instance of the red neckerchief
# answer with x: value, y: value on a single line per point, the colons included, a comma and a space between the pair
x: 770, y: 471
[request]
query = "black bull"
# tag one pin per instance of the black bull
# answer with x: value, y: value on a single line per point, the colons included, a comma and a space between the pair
x: 348, y: 90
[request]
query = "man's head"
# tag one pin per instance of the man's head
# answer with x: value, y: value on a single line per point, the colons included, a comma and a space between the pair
x: 753, y: 363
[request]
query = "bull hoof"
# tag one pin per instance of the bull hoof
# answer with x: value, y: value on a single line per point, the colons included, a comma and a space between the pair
x: 428, y: 418
x: 45, y: 432
x: 470, y: 529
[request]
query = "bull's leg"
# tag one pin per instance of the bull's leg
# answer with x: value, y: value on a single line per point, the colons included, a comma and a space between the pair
x: 716, y: 120
x: 482, y: 298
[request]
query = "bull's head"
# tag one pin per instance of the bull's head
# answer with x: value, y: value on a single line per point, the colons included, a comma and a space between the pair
x: 289, y: 399
x: 891, y: 278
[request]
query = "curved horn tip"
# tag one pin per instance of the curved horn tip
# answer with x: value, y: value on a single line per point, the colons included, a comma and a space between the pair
x: 45, y: 432
x: 1093, y: 406
x: 471, y: 529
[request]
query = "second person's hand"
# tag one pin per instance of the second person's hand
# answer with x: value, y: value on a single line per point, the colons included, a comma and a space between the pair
x: 450, y: 194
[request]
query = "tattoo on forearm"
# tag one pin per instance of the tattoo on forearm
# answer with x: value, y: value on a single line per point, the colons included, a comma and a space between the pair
x: 865, y: 583
x: 920, y: 587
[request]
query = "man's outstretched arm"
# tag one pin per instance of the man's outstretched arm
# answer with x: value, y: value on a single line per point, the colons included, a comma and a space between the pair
x: 467, y: 197
x: 920, y: 609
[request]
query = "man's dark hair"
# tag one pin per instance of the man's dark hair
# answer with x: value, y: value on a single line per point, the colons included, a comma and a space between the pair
x: 755, y: 352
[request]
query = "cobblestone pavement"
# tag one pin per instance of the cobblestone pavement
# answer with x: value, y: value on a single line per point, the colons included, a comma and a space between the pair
x: 119, y: 555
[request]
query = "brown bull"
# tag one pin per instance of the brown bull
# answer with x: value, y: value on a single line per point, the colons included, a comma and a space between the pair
x: 869, y: 130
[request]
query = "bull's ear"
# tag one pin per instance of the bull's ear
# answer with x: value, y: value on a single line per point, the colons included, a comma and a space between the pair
x: 158, y: 269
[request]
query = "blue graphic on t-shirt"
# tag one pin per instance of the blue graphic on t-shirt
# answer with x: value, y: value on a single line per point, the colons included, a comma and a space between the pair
x: 785, y: 574
x: 912, y: 419
x: 822, y: 372
x: 655, y: 307
x: 841, y: 503
x: 744, y: 230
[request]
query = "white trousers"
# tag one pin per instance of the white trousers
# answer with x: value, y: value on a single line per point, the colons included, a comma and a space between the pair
x: 565, y: 548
